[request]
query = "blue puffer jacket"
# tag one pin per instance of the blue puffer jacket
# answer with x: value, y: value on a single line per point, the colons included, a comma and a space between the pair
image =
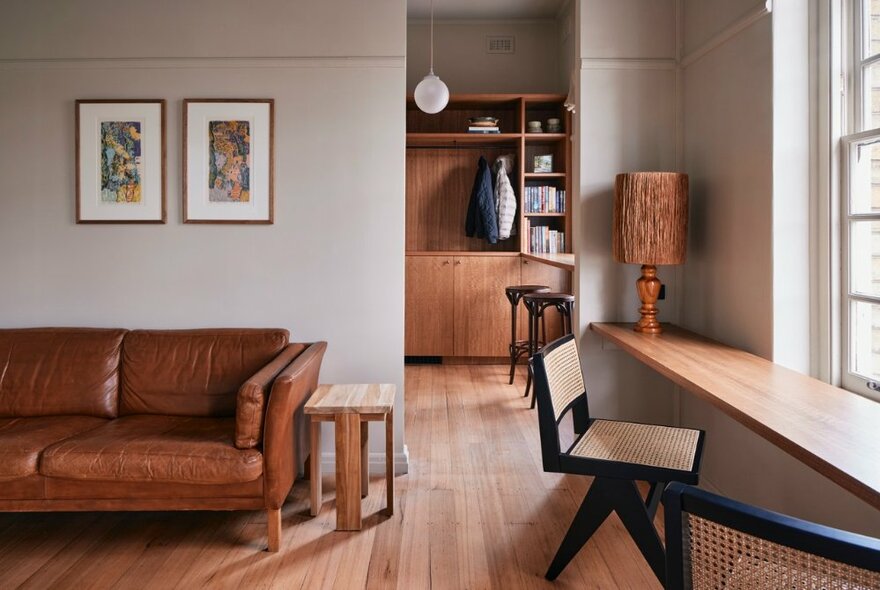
x: 482, y: 220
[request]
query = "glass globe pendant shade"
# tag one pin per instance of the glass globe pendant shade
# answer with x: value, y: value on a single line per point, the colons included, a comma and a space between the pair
x: 431, y: 94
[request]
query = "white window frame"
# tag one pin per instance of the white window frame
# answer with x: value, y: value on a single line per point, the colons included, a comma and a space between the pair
x: 854, y: 34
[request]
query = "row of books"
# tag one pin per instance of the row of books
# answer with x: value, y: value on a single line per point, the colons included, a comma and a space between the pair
x: 543, y: 240
x: 544, y: 199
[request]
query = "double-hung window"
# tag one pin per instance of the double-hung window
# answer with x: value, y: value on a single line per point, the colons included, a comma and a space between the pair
x: 860, y: 212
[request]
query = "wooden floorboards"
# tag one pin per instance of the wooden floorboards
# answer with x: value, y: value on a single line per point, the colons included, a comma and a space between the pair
x: 475, y: 511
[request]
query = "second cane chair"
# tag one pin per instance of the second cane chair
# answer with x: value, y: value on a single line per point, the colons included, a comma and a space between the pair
x: 616, y: 453
x: 715, y: 542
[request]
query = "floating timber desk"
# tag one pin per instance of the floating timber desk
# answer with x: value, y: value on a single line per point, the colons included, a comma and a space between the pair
x: 834, y: 431
x: 563, y: 261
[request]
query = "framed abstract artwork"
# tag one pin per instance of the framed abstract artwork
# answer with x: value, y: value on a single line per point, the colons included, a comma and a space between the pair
x: 228, y: 160
x: 120, y: 161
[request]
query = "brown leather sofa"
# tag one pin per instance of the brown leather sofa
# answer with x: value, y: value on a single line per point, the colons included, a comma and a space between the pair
x: 98, y: 419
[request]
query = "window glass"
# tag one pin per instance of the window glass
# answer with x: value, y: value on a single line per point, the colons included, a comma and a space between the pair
x: 864, y: 190
x: 871, y: 104
x: 865, y: 339
x: 865, y: 257
x: 872, y: 28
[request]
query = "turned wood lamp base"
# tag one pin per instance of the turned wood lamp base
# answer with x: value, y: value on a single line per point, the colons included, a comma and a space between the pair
x: 648, y: 287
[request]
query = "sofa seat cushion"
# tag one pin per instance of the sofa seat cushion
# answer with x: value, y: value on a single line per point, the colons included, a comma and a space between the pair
x: 149, y: 448
x: 23, y: 439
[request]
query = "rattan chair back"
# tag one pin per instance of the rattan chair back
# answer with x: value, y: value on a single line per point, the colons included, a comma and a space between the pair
x: 713, y: 542
x: 559, y: 388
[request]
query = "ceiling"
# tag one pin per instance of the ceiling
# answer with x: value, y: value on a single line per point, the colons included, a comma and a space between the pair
x: 484, y: 9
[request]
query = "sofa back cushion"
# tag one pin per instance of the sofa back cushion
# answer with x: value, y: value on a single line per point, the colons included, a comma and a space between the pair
x: 55, y: 371
x: 192, y: 372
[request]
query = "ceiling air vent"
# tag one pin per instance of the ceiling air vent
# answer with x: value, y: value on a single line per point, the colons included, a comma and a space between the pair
x: 500, y: 44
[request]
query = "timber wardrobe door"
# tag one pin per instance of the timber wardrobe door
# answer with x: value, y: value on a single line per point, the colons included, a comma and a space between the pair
x: 429, y: 303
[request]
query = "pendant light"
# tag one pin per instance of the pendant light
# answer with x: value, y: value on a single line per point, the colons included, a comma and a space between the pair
x: 431, y: 94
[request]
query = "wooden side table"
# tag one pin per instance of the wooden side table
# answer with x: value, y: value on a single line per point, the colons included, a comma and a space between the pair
x: 351, y: 408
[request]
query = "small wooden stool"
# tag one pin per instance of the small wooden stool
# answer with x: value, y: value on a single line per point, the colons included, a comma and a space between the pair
x: 536, y: 303
x: 351, y: 408
x: 517, y: 348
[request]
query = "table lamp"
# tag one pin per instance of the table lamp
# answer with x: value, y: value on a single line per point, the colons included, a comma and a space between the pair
x: 650, y: 228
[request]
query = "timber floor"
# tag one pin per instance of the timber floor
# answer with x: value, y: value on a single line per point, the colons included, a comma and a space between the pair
x: 475, y: 511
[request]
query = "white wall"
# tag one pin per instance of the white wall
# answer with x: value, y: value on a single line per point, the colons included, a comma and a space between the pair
x: 705, y: 20
x: 567, y: 45
x: 626, y: 122
x: 330, y: 268
x: 791, y: 185
x: 461, y: 60
x: 743, y: 114
x: 201, y: 28
x: 628, y: 29
x: 728, y: 106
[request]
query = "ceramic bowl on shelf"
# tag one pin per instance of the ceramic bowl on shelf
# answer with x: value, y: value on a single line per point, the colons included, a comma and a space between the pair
x: 483, y: 121
x: 534, y: 127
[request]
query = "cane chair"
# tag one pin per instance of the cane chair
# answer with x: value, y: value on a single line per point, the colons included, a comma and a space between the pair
x: 715, y: 542
x: 616, y: 453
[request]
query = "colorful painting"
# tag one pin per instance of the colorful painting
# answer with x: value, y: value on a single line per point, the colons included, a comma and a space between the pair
x: 121, y: 163
x: 229, y: 161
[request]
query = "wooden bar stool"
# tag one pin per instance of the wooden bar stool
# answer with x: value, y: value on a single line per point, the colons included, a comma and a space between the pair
x: 536, y: 304
x: 518, y: 348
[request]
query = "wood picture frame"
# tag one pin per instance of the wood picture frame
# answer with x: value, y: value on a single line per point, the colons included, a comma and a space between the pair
x: 121, y: 154
x: 229, y: 160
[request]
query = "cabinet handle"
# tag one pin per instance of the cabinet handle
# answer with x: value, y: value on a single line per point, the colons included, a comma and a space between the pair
x: 445, y: 262
x: 458, y: 262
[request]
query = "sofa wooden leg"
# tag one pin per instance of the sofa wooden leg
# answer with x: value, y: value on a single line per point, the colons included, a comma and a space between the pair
x: 273, y: 520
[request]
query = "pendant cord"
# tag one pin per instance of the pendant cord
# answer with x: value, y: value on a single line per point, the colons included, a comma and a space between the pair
x: 432, y: 37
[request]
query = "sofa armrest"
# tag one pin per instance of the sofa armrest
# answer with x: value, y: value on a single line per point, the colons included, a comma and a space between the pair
x: 250, y: 403
x: 293, y: 386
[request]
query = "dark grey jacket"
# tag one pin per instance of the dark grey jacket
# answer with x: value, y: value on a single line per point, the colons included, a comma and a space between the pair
x: 482, y: 220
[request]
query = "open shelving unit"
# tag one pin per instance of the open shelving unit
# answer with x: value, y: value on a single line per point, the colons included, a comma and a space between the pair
x: 447, y: 131
x: 455, y: 304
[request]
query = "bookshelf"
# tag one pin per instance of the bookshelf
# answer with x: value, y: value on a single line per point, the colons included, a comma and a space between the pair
x: 442, y: 158
x: 455, y: 284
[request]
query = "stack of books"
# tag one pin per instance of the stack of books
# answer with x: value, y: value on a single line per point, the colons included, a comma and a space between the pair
x: 543, y: 240
x: 544, y: 199
x: 478, y: 129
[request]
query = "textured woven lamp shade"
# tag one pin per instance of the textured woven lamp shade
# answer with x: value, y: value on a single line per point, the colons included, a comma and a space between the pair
x: 650, y: 228
x: 650, y: 218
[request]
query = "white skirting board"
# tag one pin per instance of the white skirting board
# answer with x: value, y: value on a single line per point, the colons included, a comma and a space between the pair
x: 377, y: 462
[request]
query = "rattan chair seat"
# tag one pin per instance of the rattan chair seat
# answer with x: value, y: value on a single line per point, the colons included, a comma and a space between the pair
x: 665, y: 447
